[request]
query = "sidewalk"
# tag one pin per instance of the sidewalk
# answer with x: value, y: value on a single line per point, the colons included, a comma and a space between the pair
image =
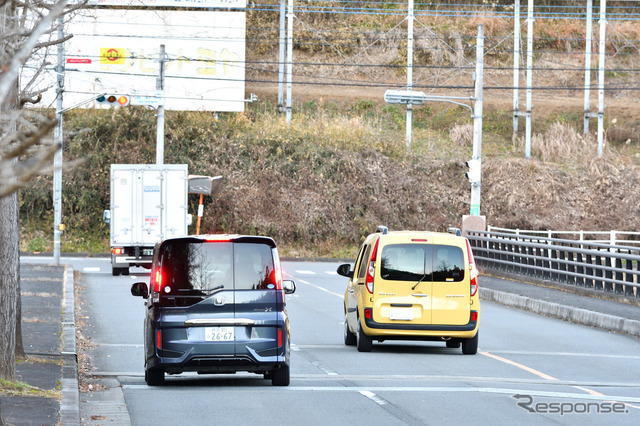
x: 48, y: 330
x: 48, y: 333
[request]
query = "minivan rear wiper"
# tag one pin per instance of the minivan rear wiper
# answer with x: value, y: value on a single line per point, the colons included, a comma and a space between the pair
x: 423, y: 277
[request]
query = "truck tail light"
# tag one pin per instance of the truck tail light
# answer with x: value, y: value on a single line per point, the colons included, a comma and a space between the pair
x: 473, y: 271
x: 117, y: 250
x: 371, y: 268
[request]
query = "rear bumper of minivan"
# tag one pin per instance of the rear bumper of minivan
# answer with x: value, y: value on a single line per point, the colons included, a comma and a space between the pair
x: 374, y: 328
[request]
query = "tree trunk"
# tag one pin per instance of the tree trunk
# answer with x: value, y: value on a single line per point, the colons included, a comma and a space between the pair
x: 9, y: 283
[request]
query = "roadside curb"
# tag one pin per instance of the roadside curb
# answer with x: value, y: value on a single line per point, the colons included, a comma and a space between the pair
x: 70, y: 404
x: 566, y: 313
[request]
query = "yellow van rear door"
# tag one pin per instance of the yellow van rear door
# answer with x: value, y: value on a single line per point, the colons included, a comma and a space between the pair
x: 402, y: 293
x: 451, y: 289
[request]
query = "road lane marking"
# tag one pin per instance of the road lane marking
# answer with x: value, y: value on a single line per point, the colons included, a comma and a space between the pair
x: 331, y: 272
x: 546, y: 376
x: 520, y: 366
x: 569, y: 354
x: 304, y: 272
x: 375, y: 398
x: 321, y: 288
x: 424, y: 389
x: 91, y: 269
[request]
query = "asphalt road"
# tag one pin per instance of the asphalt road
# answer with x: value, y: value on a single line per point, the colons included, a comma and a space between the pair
x: 529, y: 369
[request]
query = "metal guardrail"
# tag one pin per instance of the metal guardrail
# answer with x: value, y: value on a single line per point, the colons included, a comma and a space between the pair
x: 603, y: 267
x: 604, y: 237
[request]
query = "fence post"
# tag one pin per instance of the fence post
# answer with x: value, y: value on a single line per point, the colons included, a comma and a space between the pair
x: 618, y: 276
x: 589, y: 270
x: 628, y: 289
x: 599, y: 284
x: 608, y: 273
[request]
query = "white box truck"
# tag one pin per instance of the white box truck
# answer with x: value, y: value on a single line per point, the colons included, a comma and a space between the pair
x: 148, y: 204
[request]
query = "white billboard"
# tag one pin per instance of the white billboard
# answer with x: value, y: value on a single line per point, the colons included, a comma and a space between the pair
x: 117, y: 51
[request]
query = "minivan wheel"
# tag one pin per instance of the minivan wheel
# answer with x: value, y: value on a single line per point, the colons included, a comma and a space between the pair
x: 363, y: 342
x: 281, y: 376
x: 350, y: 339
x: 470, y: 346
x: 453, y: 343
x: 154, y: 377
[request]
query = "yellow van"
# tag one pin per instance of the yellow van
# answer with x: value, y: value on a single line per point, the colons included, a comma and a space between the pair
x: 412, y: 285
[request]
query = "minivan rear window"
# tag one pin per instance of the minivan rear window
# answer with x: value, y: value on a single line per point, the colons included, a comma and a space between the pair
x: 414, y: 262
x: 199, y: 267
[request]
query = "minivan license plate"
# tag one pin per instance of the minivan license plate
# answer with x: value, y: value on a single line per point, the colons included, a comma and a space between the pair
x: 218, y: 334
x: 401, y: 314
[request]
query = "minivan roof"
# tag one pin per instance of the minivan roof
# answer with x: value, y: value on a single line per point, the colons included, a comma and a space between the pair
x: 235, y: 238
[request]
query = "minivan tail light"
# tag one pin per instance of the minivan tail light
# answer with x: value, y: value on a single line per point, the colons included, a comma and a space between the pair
x: 473, y: 271
x: 279, y: 337
x: 158, y: 280
x: 371, y: 268
x: 275, y: 277
x: 159, y: 339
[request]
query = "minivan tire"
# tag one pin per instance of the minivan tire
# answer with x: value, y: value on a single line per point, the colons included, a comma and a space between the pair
x: 281, y: 376
x: 350, y: 339
x: 154, y: 377
x: 470, y: 346
x: 363, y: 342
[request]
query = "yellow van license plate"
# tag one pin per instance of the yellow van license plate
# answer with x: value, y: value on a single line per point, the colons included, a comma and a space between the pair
x: 401, y: 314
x: 218, y: 334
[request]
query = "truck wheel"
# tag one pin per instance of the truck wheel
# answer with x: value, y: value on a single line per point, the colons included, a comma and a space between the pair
x: 124, y: 271
x: 115, y: 271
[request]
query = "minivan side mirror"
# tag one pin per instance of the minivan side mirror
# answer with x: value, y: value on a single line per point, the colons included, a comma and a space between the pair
x: 345, y: 270
x: 289, y: 286
x: 140, y: 289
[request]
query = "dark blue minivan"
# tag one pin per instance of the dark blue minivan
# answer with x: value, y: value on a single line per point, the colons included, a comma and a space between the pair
x: 216, y: 304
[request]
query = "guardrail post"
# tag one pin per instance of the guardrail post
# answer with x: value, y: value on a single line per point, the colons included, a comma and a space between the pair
x: 608, y: 273
x: 554, y: 264
x: 571, y: 268
x: 562, y: 257
x: 599, y: 284
x: 545, y: 263
x: 628, y: 289
x: 618, y: 276
x: 579, y: 270
x: 589, y: 271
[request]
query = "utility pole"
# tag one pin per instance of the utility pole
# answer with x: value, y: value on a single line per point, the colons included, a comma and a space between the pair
x: 476, y: 184
x: 57, y: 159
x: 409, y: 72
x: 160, y: 125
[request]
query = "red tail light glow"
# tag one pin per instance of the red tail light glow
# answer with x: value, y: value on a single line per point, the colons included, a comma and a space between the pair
x: 275, y: 277
x: 279, y: 337
x: 117, y: 250
x: 371, y: 269
x: 474, y: 316
x: 158, y: 280
x: 473, y: 271
x: 159, y: 339
x: 367, y: 313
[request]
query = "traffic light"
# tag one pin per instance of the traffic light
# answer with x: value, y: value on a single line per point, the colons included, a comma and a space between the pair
x: 115, y: 100
x: 473, y: 174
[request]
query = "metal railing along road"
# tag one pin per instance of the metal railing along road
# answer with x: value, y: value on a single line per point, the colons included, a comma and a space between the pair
x: 604, y: 237
x: 597, y: 266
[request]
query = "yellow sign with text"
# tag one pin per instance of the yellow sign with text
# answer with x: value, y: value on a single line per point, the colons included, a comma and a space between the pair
x: 112, y: 55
